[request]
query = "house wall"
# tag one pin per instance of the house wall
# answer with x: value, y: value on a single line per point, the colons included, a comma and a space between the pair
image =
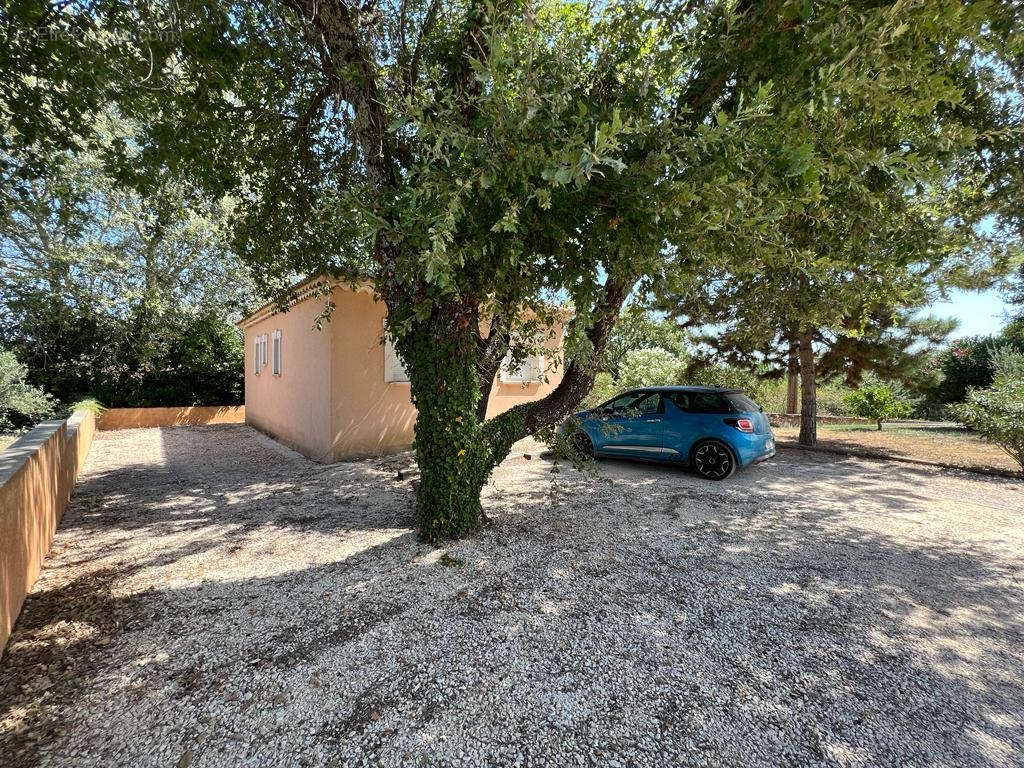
x: 293, y: 408
x: 372, y: 416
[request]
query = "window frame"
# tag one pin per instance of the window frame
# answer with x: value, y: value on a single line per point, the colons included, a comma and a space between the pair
x: 537, y: 363
x: 391, y: 359
x: 276, y: 365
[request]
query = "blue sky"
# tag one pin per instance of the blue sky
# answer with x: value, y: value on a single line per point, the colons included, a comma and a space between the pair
x: 979, y: 313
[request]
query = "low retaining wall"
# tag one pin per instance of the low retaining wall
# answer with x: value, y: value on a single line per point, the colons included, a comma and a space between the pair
x: 134, y: 418
x: 37, y: 474
x: 793, y: 419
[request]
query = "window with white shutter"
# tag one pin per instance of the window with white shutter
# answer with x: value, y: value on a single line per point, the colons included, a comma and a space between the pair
x: 529, y: 370
x: 277, y: 353
x: 256, y: 356
x: 394, y: 370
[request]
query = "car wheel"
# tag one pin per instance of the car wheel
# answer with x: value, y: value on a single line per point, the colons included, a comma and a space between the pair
x: 713, y: 460
x: 582, y: 444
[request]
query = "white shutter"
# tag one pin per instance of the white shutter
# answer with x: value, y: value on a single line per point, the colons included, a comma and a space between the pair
x: 393, y: 368
x: 530, y: 370
x: 263, y: 347
x: 277, y: 353
x: 256, y: 354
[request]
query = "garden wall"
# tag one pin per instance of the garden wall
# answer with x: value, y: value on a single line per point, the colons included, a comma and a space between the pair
x: 37, y: 474
x: 133, y: 418
x: 793, y: 420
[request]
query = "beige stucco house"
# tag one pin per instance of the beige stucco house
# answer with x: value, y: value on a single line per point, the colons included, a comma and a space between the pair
x: 339, y: 393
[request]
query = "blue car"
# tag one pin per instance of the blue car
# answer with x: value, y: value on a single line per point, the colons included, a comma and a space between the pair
x: 711, y: 429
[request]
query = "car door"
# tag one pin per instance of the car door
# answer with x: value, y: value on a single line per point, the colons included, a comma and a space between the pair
x: 690, y: 416
x: 635, y: 429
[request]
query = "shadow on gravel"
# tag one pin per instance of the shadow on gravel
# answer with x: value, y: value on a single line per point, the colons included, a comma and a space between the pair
x: 748, y: 623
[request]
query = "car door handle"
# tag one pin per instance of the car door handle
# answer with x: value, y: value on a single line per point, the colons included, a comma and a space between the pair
x: 653, y: 421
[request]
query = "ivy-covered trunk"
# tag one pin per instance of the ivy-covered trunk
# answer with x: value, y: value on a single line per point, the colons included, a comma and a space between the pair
x: 455, y: 452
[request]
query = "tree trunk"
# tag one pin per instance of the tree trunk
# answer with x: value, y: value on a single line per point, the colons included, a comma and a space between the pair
x: 808, y: 392
x: 792, y: 376
x: 879, y: 425
x: 453, y: 451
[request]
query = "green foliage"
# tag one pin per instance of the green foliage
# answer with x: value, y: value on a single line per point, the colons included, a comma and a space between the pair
x: 968, y: 363
x: 879, y: 400
x: 831, y: 400
x: 125, y: 297
x: 648, y: 368
x: 604, y: 389
x: 21, y: 404
x: 997, y: 414
x: 637, y: 328
x: 90, y: 404
x: 1007, y: 363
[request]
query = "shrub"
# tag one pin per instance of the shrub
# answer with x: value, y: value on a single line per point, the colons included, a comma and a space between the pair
x: 997, y: 414
x: 604, y: 389
x: 20, y: 402
x: 879, y: 400
x: 650, y: 367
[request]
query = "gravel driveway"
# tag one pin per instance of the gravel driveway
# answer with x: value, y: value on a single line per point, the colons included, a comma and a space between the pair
x: 213, y: 599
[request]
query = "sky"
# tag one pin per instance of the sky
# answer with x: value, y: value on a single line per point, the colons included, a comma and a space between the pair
x: 979, y: 314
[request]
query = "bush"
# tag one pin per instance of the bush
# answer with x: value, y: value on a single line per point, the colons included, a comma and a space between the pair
x: 21, y: 404
x: 997, y: 414
x: 604, y: 389
x: 879, y: 400
x: 650, y: 367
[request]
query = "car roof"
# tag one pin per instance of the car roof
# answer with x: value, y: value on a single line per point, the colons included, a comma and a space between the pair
x: 719, y: 390
x: 726, y: 390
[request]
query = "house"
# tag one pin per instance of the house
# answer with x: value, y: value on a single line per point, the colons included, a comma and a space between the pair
x: 338, y: 393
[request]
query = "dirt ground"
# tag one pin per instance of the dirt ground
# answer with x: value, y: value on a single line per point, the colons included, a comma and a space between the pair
x: 943, y: 442
x: 213, y: 599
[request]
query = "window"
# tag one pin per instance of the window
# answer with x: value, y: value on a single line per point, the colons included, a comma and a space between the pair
x: 259, y: 353
x: 276, y: 370
x: 394, y: 370
x: 649, y: 404
x: 633, y: 404
x: 701, y: 402
x: 529, y: 370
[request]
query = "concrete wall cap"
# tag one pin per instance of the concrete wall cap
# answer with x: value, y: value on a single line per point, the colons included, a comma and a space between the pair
x: 19, y: 452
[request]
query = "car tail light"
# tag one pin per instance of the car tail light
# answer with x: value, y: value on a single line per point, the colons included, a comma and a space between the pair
x: 743, y: 425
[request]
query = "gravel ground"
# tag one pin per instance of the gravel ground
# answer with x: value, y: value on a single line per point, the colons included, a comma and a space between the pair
x: 214, y: 600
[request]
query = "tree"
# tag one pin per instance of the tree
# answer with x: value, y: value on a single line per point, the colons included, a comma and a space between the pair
x: 1015, y: 293
x: 879, y: 400
x: 475, y: 159
x: 123, y: 297
x: 20, y: 402
x: 889, y: 230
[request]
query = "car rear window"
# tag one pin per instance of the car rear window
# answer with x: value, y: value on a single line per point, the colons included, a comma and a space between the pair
x: 741, y: 402
x: 701, y: 402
